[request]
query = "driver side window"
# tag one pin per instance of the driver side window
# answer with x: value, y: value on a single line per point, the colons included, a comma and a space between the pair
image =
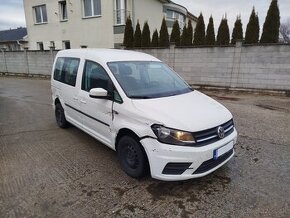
x: 94, y: 76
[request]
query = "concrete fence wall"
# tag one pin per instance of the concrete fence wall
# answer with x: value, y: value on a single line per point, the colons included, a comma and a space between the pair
x: 255, y: 67
x: 27, y: 62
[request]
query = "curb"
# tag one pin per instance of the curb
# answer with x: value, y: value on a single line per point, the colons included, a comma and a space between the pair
x: 25, y: 75
x: 242, y: 90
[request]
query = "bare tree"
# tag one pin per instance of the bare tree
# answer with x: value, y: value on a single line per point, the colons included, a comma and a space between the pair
x: 285, y: 31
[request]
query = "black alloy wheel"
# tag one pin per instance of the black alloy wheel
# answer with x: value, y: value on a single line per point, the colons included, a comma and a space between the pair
x: 132, y: 157
x: 60, y: 116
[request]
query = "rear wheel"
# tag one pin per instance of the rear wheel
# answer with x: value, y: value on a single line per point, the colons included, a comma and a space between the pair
x: 60, y: 116
x: 132, y: 158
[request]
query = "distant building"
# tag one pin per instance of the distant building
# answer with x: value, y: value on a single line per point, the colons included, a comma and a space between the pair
x: 13, y: 39
x: 65, y: 24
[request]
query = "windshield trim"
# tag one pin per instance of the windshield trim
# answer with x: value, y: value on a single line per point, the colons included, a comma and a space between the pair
x: 154, y: 96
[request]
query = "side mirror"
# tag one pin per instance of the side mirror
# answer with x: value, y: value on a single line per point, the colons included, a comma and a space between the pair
x: 99, y: 93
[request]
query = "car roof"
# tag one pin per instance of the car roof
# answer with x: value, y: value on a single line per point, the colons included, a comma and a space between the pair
x: 106, y: 55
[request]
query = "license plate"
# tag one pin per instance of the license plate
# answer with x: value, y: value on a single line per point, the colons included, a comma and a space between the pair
x: 222, y: 150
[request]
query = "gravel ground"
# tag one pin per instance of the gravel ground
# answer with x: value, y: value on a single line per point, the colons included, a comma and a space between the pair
x: 50, y: 172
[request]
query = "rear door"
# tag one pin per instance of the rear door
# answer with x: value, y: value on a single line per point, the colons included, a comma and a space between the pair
x: 97, y: 117
x: 65, y: 76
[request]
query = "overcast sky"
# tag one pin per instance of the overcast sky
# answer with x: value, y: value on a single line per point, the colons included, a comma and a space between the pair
x: 218, y: 8
x: 12, y: 12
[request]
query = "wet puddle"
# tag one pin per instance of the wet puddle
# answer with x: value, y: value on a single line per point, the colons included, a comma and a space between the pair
x: 188, y: 190
x: 225, y: 98
x: 270, y: 107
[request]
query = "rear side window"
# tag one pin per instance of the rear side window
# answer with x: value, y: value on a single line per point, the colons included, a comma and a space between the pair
x: 66, y: 70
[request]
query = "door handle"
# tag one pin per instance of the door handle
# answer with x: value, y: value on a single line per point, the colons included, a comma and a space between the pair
x: 84, y: 102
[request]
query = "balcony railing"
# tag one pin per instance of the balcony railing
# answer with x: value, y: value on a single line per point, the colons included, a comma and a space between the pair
x: 120, y: 16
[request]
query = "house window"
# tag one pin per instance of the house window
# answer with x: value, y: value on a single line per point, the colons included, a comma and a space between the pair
x: 40, y: 46
x: 181, y: 20
x: 120, y: 12
x: 63, y: 10
x: 170, y: 14
x: 92, y: 8
x: 66, y: 44
x: 176, y: 16
x: 52, y: 44
x: 40, y: 14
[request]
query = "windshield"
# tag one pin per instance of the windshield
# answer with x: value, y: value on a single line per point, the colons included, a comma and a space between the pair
x: 144, y: 79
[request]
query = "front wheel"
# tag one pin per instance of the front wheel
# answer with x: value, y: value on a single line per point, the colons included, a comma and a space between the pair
x: 60, y: 116
x: 132, y: 158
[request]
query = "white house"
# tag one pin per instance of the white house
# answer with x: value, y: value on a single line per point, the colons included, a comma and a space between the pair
x: 13, y: 39
x: 67, y: 24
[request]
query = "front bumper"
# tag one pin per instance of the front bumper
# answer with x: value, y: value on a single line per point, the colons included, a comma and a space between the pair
x: 159, y: 155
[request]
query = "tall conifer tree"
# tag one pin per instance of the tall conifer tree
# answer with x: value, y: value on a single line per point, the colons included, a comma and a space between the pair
x: 237, y: 31
x: 175, y: 33
x: 164, y: 37
x: 272, y: 24
x: 199, y: 34
x: 223, y: 37
x: 145, y: 37
x: 189, y: 34
x: 183, y: 36
x: 253, y: 29
x: 137, y: 35
x: 210, y: 35
x: 128, y: 41
x: 155, y: 39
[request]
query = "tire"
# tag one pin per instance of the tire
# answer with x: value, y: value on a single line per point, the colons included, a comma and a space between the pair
x: 132, y: 157
x: 60, y: 116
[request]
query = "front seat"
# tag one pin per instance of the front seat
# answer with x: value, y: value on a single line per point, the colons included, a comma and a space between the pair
x: 125, y: 73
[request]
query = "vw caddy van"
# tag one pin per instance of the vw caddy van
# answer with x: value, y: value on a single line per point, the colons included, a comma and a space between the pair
x: 139, y: 107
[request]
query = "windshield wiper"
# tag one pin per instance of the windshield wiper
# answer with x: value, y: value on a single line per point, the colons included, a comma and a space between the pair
x: 140, y: 97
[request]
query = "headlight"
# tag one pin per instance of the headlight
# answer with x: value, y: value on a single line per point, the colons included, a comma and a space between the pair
x: 172, y: 136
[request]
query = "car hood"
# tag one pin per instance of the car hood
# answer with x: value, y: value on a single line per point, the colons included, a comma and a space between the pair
x: 192, y: 111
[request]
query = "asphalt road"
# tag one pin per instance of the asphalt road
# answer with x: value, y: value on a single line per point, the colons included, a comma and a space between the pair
x: 50, y: 172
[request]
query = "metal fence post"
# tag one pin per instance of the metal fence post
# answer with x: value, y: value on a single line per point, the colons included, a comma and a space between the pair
x: 52, y: 49
x: 26, y: 59
x: 172, y: 54
x: 4, y: 58
x: 236, y: 64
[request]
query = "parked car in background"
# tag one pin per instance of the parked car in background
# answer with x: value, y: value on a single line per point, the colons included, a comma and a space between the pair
x: 139, y: 107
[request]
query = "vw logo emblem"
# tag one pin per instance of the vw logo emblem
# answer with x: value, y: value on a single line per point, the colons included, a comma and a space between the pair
x: 221, y: 132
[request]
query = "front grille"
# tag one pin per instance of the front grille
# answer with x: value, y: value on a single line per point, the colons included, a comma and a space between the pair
x: 212, y: 163
x: 175, y: 168
x: 209, y: 136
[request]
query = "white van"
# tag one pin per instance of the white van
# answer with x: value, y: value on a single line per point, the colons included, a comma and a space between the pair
x: 138, y: 106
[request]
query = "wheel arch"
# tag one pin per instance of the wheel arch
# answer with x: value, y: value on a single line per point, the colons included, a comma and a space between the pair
x: 128, y: 132
x: 56, y: 101
x: 125, y: 132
